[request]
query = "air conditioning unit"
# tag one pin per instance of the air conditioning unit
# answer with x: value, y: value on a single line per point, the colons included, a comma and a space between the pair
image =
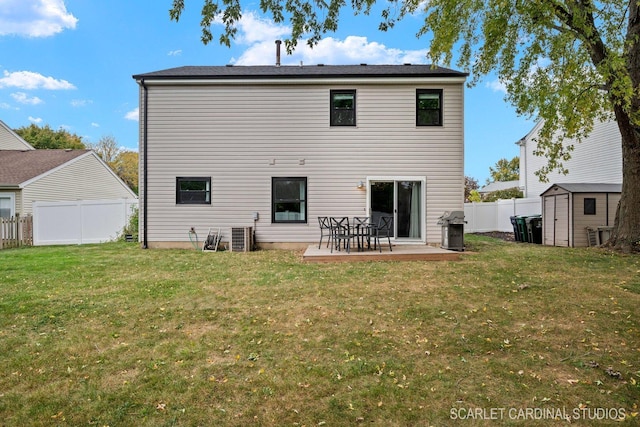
x: 241, y: 239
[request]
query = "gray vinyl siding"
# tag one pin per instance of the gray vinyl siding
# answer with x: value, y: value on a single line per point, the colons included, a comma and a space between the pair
x: 597, y: 159
x: 604, y: 204
x: 233, y: 133
x: 83, y: 179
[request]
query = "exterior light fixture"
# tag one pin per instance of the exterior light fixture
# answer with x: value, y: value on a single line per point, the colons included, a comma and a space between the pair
x: 361, y: 185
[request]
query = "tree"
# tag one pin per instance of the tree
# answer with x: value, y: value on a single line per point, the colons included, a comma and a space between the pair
x: 125, y: 166
x: 47, y: 138
x: 107, y: 148
x: 123, y: 162
x: 470, y: 184
x: 564, y: 62
x: 509, y: 193
x: 505, y: 170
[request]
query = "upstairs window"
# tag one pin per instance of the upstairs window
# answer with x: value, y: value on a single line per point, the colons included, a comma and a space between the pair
x: 193, y: 190
x: 289, y: 200
x: 343, y: 107
x: 429, y: 107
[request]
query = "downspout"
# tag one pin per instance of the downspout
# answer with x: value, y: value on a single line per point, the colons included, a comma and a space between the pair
x: 144, y: 167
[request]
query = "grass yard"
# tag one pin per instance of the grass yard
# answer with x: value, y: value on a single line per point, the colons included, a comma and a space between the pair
x: 513, y: 334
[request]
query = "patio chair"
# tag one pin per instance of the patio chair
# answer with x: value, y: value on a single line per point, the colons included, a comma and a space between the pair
x: 383, y: 230
x: 341, y: 232
x: 325, y: 227
x: 362, y: 231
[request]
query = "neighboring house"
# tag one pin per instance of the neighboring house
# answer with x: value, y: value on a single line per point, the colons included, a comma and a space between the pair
x: 274, y: 147
x: 597, y: 159
x: 498, y: 186
x: 28, y: 175
x: 573, y: 212
x: 9, y: 140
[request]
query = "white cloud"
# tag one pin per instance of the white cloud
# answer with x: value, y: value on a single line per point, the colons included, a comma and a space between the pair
x: 81, y: 102
x: 4, y: 106
x: 35, y: 18
x: 35, y: 119
x: 177, y: 52
x: 23, y: 98
x: 133, y: 114
x: 260, y: 34
x: 497, y: 86
x: 30, y: 80
x: 95, y: 125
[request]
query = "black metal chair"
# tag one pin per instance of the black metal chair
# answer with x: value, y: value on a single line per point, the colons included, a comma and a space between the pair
x: 362, y: 231
x: 383, y: 230
x: 325, y: 227
x: 341, y: 232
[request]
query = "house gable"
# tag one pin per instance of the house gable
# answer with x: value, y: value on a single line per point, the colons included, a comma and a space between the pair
x: 9, y: 140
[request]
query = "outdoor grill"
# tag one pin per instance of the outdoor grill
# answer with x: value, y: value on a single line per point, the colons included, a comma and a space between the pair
x: 452, y: 230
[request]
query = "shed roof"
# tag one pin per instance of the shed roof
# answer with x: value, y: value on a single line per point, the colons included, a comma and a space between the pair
x: 299, y: 72
x: 18, y: 166
x: 588, y: 188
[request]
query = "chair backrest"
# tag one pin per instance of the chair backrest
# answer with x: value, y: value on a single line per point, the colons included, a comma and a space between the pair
x: 324, y: 222
x: 360, y: 220
x: 340, y: 224
x: 384, y: 225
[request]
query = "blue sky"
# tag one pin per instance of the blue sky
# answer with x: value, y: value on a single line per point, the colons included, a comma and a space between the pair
x: 68, y: 64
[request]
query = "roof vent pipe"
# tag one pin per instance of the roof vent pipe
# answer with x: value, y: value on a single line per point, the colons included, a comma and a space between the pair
x: 278, y: 43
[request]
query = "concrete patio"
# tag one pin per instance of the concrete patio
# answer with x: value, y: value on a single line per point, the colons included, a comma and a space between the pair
x: 399, y: 253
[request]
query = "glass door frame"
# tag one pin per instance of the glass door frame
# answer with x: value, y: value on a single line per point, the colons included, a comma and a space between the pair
x: 423, y: 204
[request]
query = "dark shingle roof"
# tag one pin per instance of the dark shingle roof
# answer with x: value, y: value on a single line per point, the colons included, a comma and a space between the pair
x: 18, y: 166
x: 299, y: 72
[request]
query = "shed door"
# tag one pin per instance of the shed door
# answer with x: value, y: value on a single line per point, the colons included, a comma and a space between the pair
x: 556, y: 220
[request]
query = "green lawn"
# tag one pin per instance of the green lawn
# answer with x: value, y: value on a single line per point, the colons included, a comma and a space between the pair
x: 112, y: 335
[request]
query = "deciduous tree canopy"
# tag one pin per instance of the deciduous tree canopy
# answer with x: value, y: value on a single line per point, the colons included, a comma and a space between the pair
x: 565, y: 62
x: 505, y: 170
x: 45, y: 137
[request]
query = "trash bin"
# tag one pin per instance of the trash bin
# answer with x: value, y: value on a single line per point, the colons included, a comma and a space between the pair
x: 522, y: 228
x: 452, y: 230
x: 516, y: 233
x: 534, y: 229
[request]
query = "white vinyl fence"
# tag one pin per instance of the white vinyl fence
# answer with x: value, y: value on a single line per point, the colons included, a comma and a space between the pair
x: 495, y: 216
x: 80, y: 221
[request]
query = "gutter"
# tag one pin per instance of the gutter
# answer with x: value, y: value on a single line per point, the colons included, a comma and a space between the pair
x: 144, y: 167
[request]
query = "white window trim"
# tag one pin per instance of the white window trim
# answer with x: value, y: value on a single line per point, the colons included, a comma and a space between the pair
x: 423, y: 202
x: 12, y: 201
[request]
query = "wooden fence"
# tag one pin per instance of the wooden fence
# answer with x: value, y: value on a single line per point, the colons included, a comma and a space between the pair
x: 16, y: 231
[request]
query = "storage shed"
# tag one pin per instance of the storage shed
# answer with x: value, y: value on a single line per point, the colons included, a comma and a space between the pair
x: 572, y: 213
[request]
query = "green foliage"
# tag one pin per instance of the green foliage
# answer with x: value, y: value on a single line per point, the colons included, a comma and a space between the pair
x: 470, y: 184
x: 46, y: 138
x: 132, y: 227
x: 505, y: 170
x: 474, y: 196
x: 509, y: 193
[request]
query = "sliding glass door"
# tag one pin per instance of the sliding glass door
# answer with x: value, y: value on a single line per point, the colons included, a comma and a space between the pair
x: 402, y: 199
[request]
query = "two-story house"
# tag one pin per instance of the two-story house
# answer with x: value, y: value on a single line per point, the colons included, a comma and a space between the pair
x: 274, y: 147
